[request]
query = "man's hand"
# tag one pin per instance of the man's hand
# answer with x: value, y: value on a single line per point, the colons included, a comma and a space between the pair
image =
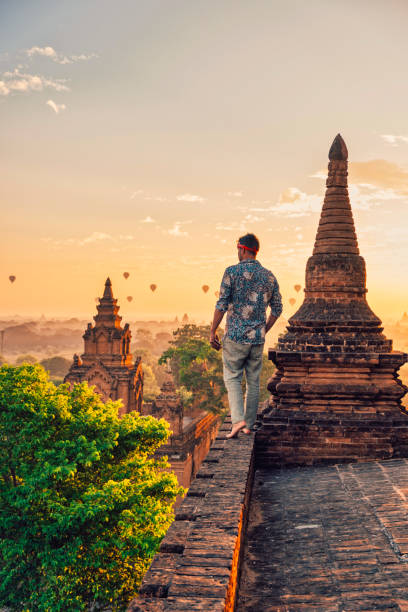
x: 215, y: 341
x: 271, y: 320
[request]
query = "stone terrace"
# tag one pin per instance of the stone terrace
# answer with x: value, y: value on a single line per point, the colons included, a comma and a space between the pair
x: 327, y: 538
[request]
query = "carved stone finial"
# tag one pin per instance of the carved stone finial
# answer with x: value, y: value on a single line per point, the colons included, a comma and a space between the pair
x: 338, y: 150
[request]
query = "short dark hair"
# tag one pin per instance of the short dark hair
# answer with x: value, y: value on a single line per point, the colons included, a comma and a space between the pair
x: 249, y: 240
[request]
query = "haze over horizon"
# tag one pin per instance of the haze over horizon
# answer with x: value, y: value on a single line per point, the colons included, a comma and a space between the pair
x: 148, y: 136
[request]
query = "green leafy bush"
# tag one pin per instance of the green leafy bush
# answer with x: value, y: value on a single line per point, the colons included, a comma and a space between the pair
x: 83, y: 504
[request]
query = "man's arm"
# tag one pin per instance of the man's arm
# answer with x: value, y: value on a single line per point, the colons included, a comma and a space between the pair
x: 270, y: 322
x: 275, y: 304
x: 220, y: 309
x: 214, y: 340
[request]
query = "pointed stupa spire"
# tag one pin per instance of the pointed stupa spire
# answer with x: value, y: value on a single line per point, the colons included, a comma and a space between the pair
x: 108, y: 308
x: 108, y: 289
x: 336, y: 233
x: 338, y: 150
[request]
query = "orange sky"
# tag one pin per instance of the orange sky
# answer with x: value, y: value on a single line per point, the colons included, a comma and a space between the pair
x: 147, y: 139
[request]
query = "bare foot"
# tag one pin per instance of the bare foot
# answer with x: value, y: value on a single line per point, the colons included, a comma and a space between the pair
x: 236, y: 428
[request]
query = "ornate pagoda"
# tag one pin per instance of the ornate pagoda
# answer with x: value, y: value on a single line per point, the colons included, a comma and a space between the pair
x: 107, y: 361
x: 336, y: 395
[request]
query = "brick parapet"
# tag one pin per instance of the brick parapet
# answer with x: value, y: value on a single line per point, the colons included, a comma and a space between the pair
x: 198, y: 564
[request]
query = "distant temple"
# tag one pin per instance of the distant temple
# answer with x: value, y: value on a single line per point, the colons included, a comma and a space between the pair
x: 107, y: 361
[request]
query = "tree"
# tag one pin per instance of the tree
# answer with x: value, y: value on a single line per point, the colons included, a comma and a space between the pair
x: 83, y: 502
x: 56, y: 366
x: 189, y: 332
x: 197, y: 368
x: 150, y: 387
x: 25, y: 359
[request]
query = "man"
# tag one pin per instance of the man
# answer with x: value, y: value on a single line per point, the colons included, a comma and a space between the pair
x: 247, y: 289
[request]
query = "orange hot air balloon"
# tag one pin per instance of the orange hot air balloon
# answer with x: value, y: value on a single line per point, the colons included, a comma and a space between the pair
x: 126, y: 274
x: 297, y: 288
x: 12, y: 279
x: 292, y: 301
x: 205, y: 288
x: 96, y: 299
x: 153, y: 287
x: 129, y: 298
x: 217, y: 293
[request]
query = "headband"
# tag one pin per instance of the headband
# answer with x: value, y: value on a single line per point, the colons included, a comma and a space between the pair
x: 242, y: 246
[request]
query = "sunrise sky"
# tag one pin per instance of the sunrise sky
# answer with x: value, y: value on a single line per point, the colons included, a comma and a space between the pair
x: 146, y: 136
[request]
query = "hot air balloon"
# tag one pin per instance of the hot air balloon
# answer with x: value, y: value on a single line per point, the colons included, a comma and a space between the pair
x: 153, y: 287
x: 126, y: 274
x: 297, y: 288
x: 205, y: 288
x: 12, y: 279
x: 217, y: 293
x: 129, y: 298
x: 292, y: 301
x: 96, y: 299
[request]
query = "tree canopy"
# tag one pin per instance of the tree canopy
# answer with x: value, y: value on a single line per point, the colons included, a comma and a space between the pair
x: 83, y: 502
x: 197, y: 369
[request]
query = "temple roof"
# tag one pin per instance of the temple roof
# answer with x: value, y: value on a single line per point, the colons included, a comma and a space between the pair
x: 336, y: 233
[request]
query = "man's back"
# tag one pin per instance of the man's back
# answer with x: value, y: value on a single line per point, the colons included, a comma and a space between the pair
x: 247, y: 288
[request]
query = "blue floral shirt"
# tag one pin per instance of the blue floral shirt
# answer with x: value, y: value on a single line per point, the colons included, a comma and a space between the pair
x: 246, y: 291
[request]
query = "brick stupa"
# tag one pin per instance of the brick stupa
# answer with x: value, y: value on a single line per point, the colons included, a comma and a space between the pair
x: 107, y: 361
x: 336, y: 395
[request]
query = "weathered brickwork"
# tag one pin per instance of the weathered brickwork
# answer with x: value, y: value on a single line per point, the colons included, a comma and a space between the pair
x: 107, y: 362
x: 328, y: 539
x: 336, y: 395
x: 198, y: 564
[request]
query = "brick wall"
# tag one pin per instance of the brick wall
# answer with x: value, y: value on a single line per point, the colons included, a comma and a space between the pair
x: 197, y: 567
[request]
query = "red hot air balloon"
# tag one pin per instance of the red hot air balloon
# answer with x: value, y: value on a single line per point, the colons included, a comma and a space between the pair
x: 126, y: 275
x: 217, y: 293
x: 297, y: 288
x: 12, y: 278
x: 292, y: 301
x: 129, y: 298
x: 153, y: 287
x: 205, y: 288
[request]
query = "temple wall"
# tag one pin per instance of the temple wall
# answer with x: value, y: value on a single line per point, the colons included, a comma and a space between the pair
x: 198, y: 564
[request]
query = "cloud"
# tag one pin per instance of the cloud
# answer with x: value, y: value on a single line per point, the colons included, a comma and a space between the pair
x: 176, y: 229
x: 95, y: 237
x: 235, y: 194
x: 148, y: 219
x: 293, y: 203
x: 189, y: 197
x: 252, y: 218
x: 380, y: 173
x: 136, y: 193
x: 394, y: 139
x: 320, y: 174
x: 19, y: 82
x: 92, y: 238
x: 58, y: 57
x: 57, y: 108
x: 44, y: 51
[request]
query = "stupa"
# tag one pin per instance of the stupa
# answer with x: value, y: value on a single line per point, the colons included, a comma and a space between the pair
x: 107, y: 361
x: 335, y: 394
